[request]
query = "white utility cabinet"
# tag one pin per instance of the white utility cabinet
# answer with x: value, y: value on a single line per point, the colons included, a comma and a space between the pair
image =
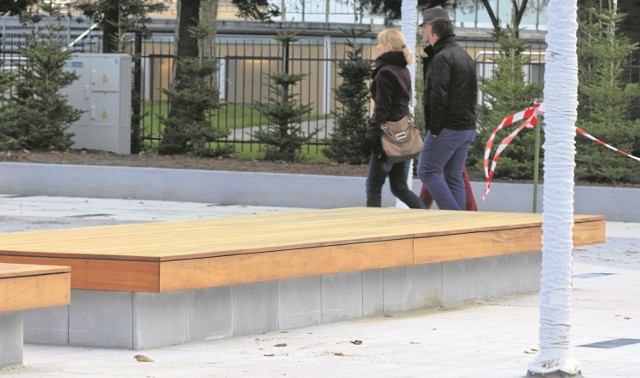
x: 103, y: 92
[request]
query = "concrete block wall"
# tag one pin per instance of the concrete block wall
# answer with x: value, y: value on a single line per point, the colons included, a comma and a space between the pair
x: 11, y: 350
x: 270, y: 189
x: 133, y: 320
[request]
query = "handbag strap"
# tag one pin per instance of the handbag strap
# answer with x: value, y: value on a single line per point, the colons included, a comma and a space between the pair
x: 410, y: 123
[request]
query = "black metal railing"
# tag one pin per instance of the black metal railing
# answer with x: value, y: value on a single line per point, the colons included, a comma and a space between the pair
x: 246, y: 63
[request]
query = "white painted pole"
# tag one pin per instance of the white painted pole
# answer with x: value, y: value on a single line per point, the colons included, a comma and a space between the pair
x: 560, y: 107
x: 408, y: 27
x: 326, y: 90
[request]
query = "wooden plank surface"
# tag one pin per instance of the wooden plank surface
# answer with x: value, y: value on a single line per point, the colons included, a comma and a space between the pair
x: 25, y: 287
x: 180, y: 255
x: 166, y: 241
x: 22, y: 270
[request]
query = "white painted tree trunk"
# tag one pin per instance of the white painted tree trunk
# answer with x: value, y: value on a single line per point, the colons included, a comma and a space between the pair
x: 560, y: 108
x: 208, y: 17
x: 409, y: 30
x: 409, y: 11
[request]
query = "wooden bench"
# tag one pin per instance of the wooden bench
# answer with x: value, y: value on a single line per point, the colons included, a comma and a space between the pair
x: 205, y: 275
x: 24, y: 287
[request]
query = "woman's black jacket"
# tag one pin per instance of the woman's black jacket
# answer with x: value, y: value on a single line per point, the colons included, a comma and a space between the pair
x: 391, y: 92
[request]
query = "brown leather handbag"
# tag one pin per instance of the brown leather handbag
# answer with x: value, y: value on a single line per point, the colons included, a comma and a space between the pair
x: 401, y: 140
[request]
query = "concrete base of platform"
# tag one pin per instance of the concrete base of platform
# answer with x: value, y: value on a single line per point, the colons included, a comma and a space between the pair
x: 11, y: 338
x: 137, y: 320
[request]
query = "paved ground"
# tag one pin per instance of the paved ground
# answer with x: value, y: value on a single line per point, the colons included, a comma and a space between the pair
x: 491, y: 338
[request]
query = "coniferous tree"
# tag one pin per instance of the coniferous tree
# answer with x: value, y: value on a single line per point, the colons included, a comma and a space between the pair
x: 347, y: 143
x: 630, y: 27
x: 14, y: 7
x: 603, y: 52
x: 188, y: 127
x: 261, y: 10
x: 604, y: 100
x: 283, y: 136
x: 36, y: 115
x: 7, y: 81
x: 506, y: 92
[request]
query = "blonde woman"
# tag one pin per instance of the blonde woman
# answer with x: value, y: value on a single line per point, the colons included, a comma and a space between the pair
x: 391, y: 92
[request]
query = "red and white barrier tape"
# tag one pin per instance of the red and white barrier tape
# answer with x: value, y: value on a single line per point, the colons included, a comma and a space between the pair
x: 531, y: 115
x: 529, y: 123
x: 586, y: 134
x: 527, y: 113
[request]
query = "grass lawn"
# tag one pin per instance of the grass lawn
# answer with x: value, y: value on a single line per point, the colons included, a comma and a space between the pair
x: 229, y: 116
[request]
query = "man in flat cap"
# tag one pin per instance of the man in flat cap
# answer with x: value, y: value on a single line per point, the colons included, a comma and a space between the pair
x: 430, y: 14
x: 450, y: 97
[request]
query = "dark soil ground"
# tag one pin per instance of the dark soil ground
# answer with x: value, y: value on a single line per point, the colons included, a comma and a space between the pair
x: 180, y: 162
x: 84, y: 157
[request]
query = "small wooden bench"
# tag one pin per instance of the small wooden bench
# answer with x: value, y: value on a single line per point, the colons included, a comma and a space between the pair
x: 203, y: 279
x: 24, y: 287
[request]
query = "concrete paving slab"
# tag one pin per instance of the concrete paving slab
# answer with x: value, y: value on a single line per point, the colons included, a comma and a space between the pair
x: 25, y: 213
x: 488, y: 338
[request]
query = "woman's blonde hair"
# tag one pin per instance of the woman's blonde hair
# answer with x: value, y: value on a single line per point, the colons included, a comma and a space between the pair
x: 395, y: 39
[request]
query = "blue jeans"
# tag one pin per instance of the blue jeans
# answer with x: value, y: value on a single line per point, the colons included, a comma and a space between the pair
x: 398, y: 173
x: 445, y: 153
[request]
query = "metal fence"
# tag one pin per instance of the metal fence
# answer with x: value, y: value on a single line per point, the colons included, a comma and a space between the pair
x: 245, y: 68
x: 246, y: 63
x: 244, y: 73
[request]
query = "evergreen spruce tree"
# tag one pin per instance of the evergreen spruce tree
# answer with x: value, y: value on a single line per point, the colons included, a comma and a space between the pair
x: 36, y: 116
x: 7, y: 81
x: 283, y: 136
x: 603, y: 52
x: 347, y: 143
x: 604, y: 100
x: 192, y: 102
x: 506, y: 93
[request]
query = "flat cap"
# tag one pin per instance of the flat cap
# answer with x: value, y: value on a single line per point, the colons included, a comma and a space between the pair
x: 428, y: 15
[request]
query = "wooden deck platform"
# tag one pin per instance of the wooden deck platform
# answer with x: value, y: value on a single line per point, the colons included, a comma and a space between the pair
x: 27, y: 287
x: 181, y: 255
x: 24, y: 287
